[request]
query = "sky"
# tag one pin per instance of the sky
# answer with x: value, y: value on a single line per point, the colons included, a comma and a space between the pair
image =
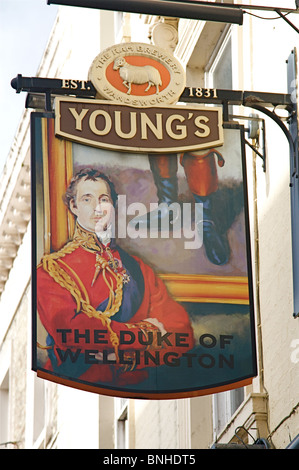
x: 25, y: 26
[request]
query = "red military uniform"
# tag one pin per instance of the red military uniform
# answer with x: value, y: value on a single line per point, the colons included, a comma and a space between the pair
x: 97, y: 302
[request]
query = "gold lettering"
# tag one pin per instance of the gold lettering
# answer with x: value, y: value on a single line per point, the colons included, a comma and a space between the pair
x: 73, y: 84
x: 108, y: 122
x: 204, y: 127
x: 155, y: 128
x: 182, y: 130
x: 118, y: 130
x: 78, y: 117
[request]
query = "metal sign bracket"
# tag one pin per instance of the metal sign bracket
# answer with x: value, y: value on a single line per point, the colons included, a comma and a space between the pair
x: 41, y: 93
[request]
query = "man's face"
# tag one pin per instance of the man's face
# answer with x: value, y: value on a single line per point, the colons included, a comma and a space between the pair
x: 93, y: 205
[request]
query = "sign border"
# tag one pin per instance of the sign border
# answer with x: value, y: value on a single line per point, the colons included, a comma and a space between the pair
x: 127, y: 393
x: 178, y: 149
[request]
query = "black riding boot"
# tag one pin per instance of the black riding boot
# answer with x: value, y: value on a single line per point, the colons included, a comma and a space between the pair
x: 215, y: 243
x: 167, y: 191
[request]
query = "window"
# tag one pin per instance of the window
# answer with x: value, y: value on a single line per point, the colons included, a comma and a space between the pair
x: 219, y: 71
x: 121, y: 423
x: 219, y: 68
x: 118, y: 25
x: 222, y: 73
x: 224, y: 406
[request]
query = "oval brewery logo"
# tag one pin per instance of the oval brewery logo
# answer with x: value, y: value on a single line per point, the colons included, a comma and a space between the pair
x: 137, y: 74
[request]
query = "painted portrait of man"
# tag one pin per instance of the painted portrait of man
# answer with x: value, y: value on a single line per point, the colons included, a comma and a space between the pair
x: 103, y: 309
x: 125, y: 310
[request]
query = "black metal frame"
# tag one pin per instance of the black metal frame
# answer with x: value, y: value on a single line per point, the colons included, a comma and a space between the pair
x: 43, y: 90
x: 227, y: 13
x: 201, y: 3
x: 173, y: 8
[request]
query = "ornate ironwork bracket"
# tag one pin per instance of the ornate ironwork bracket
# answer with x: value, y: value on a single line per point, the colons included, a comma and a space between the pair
x: 41, y: 93
x: 279, y: 12
x: 266, y: 103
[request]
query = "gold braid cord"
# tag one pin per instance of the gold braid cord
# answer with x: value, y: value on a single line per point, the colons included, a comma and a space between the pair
x: 53, y: 265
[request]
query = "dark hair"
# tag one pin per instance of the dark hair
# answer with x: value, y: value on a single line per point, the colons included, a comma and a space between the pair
x: 88, y: 174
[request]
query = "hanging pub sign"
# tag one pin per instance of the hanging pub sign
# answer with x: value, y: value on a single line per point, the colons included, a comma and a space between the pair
x: 154, y: 129
x: 141, y: 267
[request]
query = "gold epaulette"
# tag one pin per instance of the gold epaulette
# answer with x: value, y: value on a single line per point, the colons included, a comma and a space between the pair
x: 57, y: 268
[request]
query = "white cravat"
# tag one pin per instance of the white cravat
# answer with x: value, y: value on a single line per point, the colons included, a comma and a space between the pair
x: 105, y: 235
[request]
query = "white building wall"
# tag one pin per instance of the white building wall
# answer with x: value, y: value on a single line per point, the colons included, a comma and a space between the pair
x: 75, y: 419
x: 265, y: 47
x: 78, y: 419
x: 156, y: 424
